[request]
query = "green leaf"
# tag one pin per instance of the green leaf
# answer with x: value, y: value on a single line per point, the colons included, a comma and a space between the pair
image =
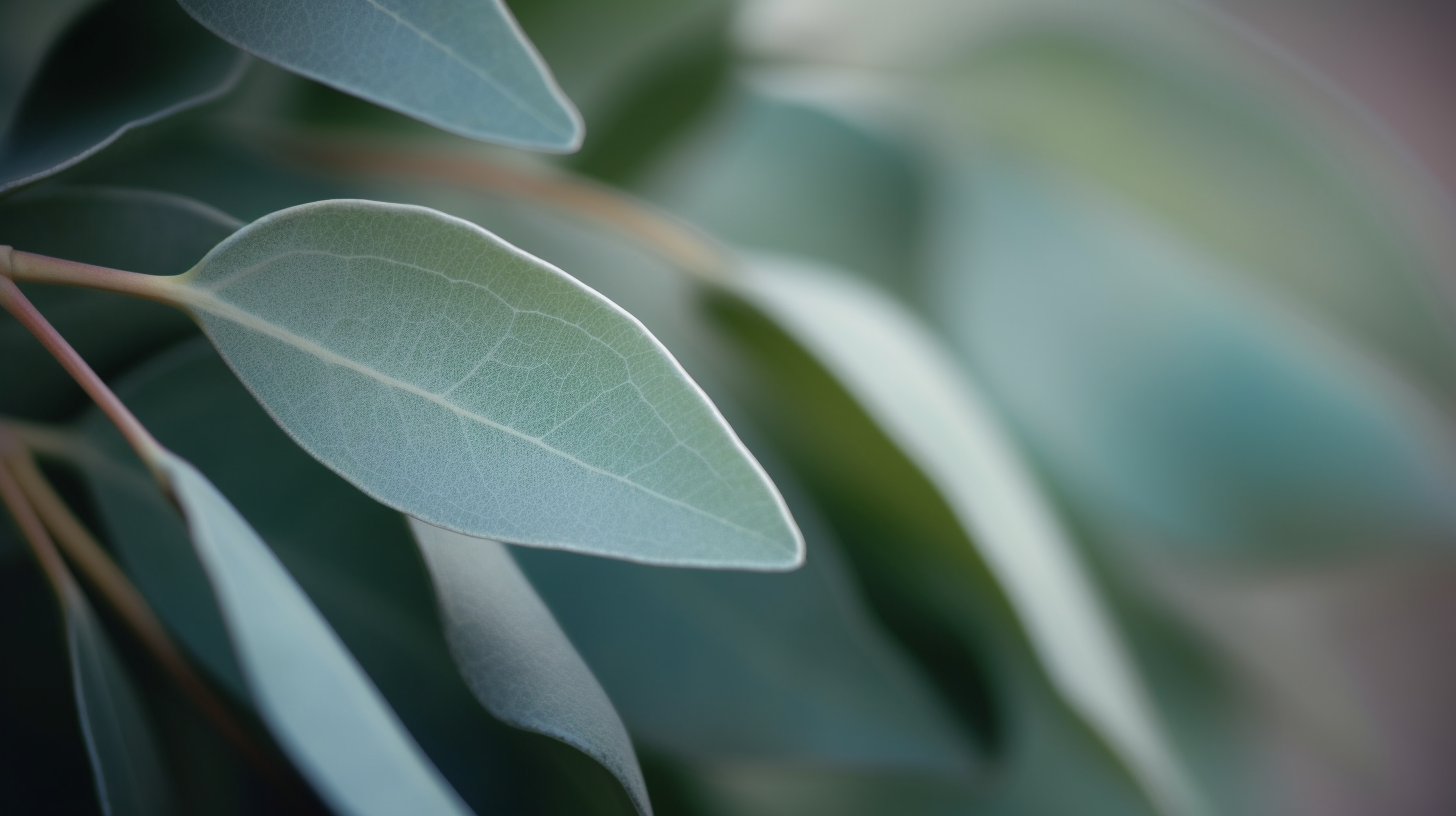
x: 124, y: 758
x: 515, y: 657
x: 1178, y: 404
x: 143, y: 231
x: 457, y: 379
x: 125, y: 64
x: 728, y: 668
x: 463, y: 67
x: 314, y: 697
x: 911, y: 386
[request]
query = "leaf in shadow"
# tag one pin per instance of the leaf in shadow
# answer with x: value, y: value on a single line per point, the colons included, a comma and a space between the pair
x: 464, y: 67
x: 516, y: 659
x: 122, y: 65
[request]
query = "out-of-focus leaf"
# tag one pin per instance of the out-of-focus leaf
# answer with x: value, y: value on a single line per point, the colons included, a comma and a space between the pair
x: 1227, y: 146
x: 309, y: 690
x: 43, y: 762
x: 515, y: 657
x: 356, y: 560
x: 464, y: 382
x: 142, y: 231
x: 124, y: 64
x: 789, y: 176
x: 1173, y: 400
x: 463, y: 67
x: 719, y: 667
x: 27, y: 32
x: 124, y: 759
x: 641, y: 71
x: 913, y: 388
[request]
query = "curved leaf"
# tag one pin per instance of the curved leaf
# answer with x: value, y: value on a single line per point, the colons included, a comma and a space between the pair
x: 728, y: 668
x: 516, y: 658
x: 911, y: 386
x: 1178, y: 404
x: 464, y: 67
x: 124, y: 64
x: 124, y: 756
x: 140, y: 230
x: 459, y: 380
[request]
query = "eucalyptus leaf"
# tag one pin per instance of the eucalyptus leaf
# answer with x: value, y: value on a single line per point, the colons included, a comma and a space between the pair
x: 1180, y: 405
x: 463, y: 67
x: 122, y: 65
x: 130, y: 780
x: 515, y: 657
x: 314, y: 697
x: 457, y: 379
x: 911, y: 385
x: 139, y: 230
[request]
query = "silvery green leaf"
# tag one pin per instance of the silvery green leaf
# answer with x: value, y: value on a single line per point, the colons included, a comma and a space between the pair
x: 317, y: 702
x: 468, y: 384
x: 122, y: 65
x: 125, y: 761
x: 462, y: 66
x: 516, y: 659
x: 1175, y: 401
x: 908, y: 382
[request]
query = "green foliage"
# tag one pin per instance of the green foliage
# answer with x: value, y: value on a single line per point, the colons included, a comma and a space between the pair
x: 1017, y: 314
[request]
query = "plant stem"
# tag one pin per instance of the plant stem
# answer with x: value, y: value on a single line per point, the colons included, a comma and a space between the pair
x: 27, y: 267
x: 136, y: 435
x: 678, y: 243
x: 29, y: 522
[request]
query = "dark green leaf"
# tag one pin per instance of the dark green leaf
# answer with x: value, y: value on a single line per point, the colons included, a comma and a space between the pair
x: 464, y: 67
x: 141, y: 231
x: 466, y: 383
x: 124, y: 64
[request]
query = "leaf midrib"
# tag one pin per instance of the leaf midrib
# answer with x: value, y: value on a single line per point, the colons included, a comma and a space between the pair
x: 204, y: 300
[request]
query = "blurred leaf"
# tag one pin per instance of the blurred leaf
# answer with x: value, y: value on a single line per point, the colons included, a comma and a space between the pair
x: 124, y: 64
x: 1210, y: 136
x: 27, y: 32
x: 43, y: 761
x: 718, y: 667
x: 515, y: 657
x: 463, y: 67
x: 642, y: 71
x: 478, y: 388
x: 1173, y: 400
x: 142, y: 231
x: 321, y: 707
x: 356, y: 560
x: 898, y: 370
x: 128, y: 768
x: 788, y: 175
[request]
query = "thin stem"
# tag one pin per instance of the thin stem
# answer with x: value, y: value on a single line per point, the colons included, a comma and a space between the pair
x: 27, y: 267
x: 680, y: 244
x: 32, y: 529
x: 136, y: 435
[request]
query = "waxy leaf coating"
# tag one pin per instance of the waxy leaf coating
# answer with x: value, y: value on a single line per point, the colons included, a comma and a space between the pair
x: 468, y: 384
x: 464, y: 67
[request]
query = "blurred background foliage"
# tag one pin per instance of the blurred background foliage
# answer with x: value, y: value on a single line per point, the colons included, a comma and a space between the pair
x: 1205, y: 291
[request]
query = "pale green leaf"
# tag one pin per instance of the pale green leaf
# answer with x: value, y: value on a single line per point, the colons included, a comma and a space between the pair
x: 319, y: 704
x: 122, y: 65
x: 125, y: 761
x: 457, y: 379
x: 1178, y: 404
x: 462, y: 66
x: 516, y: 659
x: 908, y: 382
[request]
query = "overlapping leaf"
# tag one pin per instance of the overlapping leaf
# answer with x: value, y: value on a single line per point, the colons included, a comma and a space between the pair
x: 463, y: 67
x: 468, y: 384
x: 912, y: 387
x: 122, y: 65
